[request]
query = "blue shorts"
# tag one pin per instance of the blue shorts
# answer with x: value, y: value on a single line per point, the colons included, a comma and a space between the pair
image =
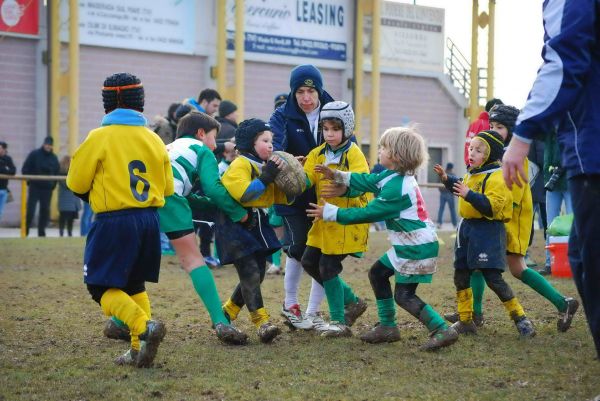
x: 296, y: 228
x: 480, y: 244
x: 122, y: 247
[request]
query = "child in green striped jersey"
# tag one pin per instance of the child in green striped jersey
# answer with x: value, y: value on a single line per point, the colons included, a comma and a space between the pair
x: 413, y: 256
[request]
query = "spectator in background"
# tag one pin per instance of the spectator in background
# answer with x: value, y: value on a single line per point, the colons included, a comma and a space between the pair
x: 555, y: 183
x: 208, y: 102
x: 41, y: 161
x: 481, y: 124
x: 280, y: 100
x: 6, y: 167
x: 228, y: 119
x: 165, y: 127
x: 86, y: 219
x: 538, y: 193
x: 68, y: 204
x: 446, y: 197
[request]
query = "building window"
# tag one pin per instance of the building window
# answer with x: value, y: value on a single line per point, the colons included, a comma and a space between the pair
x: 435, y: 157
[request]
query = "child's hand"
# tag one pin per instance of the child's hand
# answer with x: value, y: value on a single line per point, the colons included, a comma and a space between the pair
x: 326, y: 171
x: 316, y: 212
x: 441, y: 172
x: 301, y: 159
x: 460, y: 189
x: 333, y: 190
x: 278, y: 161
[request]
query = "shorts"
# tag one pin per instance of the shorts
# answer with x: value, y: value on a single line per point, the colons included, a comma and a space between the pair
x: 275, y: 220
x: 296, y: 227
x: 480, y: 244
x: 123, y: 247
x: 176, y: 215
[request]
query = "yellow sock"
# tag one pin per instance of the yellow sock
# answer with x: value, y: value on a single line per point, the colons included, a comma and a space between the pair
x: 514, y: 308
x: 232, y: 309
x: 259, y: 317
x: 464, y: 301
x: 115, y: 302
x: 143, y: 301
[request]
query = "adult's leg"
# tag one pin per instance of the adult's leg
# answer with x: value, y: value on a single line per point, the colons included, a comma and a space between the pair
x: 45, y: 197
x: 584, y: 252
x: 62, y: 220
x: 440, y: 217
x: 3, y: 198
x: 32, y: 200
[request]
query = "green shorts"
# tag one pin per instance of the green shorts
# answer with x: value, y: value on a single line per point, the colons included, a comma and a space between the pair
x: 175, y: 215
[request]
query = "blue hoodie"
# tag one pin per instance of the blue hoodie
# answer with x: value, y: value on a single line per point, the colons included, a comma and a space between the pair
x: 566, y: 92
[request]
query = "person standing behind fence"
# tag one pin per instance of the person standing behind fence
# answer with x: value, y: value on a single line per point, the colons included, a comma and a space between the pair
x: 6, y: 167
x: 41, y: 161
x: 446, y: 197
x: 68, y: 204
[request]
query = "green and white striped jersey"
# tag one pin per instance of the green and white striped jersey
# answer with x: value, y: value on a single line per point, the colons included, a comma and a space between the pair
x: 398, y: 202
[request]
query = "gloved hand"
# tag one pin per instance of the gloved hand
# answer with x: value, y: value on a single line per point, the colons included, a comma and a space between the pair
x: 269, y: 172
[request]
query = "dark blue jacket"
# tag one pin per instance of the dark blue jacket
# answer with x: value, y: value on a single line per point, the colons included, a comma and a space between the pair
x: 292, y: 134
x: 566, y: 92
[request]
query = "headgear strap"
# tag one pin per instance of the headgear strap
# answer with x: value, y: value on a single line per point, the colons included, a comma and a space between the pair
x: 119, y: 89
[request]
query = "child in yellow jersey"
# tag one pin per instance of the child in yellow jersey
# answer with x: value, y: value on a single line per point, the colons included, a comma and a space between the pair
x: 122, y: 169
x: 518, y: 231
x: 249, y: 180
x: 329, y: 243
x: 485, y: 204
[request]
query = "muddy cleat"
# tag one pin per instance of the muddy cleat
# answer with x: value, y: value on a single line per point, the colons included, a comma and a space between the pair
x: 453, y: 318
x: 116, y: 332
x: 295, y: 319
x: 465, y: 328
x: 336, y: 329
x: 149, y: 342
x: 228, y: 334
x: 129, y: 358
x: 319, y: 324
x: 565, y: 318
x: 381, y: 334
x: 353, y: 311
x: 525, y: 327
x: 439, y: 339
x: 267, y: 332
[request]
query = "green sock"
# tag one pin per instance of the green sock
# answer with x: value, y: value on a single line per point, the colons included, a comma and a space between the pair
x: 431, y: 319
x: 478, y: 286
x: 349, y: 296
x: 119, y: 323
x: 544, y: 288
x: 204, y: 284
x: 276, y: 257
x: 335, y: 297
x: 386, y: 310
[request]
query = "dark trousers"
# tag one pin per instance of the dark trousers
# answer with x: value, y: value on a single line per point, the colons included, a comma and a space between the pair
x: 65, y: 219
x: 584, y: 252
x: 320, y: 266
x: 42, y: 196
x: 251, y: 272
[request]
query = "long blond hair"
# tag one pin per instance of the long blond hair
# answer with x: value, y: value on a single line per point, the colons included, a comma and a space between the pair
x: 406, y: 148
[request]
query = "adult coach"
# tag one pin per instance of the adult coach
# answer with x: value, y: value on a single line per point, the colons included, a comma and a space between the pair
x: 566, y: 94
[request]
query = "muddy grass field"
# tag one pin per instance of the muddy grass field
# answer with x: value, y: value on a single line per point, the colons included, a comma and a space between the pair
x: 52, y: 348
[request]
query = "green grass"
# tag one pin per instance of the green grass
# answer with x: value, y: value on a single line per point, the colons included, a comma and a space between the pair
x: 52, y: 348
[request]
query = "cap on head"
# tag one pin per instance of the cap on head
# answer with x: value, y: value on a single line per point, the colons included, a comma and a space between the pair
x: 279, y: 100
x: 49, y: 141
x: 306, y: 75
x: 494, y: 142
x: 123, y: 90
x: 341, y: 111
x: 449, y: 166
x: 3, y: 145
x: 247, y: 131
x: 226, y: 108
x: 491, y: 103
x: 505, y: 115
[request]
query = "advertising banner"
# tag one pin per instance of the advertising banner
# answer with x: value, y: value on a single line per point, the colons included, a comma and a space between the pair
x: 166, y: 26
x: 412, y: 37
x: 300, y: 28
x: 19, y: 16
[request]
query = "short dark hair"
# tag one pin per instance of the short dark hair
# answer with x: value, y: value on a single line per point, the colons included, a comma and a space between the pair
x: 3, y: 144
x: 209, y: 95
x: 195, y: 120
